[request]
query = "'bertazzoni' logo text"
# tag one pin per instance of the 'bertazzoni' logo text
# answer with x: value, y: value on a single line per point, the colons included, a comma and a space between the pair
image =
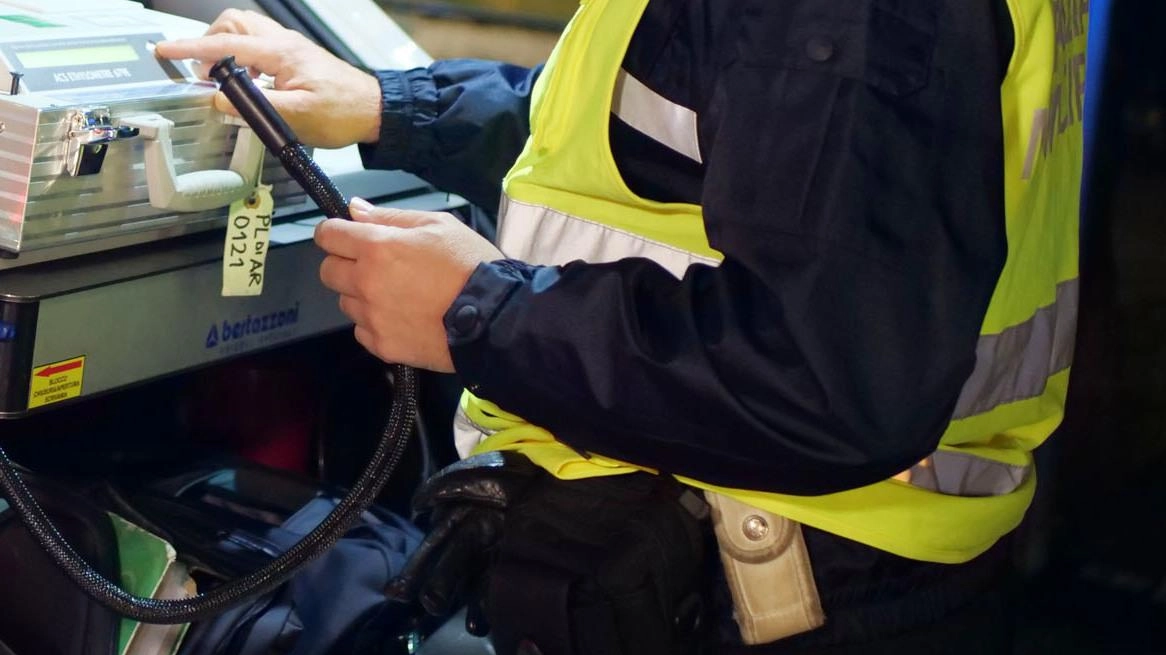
x: 224, y: 331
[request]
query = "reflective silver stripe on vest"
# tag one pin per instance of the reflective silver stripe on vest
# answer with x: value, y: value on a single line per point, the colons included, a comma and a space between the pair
x: 655, y: 116
x: 538, y: 235
x: 962, y: 474
x: 1010, y: 366
x: 1017, y: 363
x: 467, y: 433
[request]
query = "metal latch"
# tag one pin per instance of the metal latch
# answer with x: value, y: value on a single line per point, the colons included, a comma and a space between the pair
x: 90, y: 133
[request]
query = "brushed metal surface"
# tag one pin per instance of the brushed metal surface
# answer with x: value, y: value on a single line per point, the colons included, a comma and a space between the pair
x: 43, y: 207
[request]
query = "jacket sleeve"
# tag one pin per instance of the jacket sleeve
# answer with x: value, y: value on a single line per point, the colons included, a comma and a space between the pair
x: 457, y: 124
x: 860, y: 214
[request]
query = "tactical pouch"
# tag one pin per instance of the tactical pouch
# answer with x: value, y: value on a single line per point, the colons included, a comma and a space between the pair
x: 604, y: 566
x: 767, y: 570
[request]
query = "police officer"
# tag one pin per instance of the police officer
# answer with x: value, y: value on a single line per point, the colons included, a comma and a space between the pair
x: 816, y: 259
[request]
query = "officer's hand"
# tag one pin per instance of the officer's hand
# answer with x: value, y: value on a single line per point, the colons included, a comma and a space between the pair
x: 327, y: 102
x: 464, y: 505
x: 397, y: 272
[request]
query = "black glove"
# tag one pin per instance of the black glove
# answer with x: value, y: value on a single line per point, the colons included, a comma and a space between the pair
x: 464, y: 506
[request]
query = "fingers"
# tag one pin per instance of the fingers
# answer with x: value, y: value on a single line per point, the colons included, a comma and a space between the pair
x: 404, y: 586
x: 231, y: 21
x: 203, y: 70
x: 339, y: 274
x: 245, y: 22
x: 456, y: 565
x: 223, y: 104
x: 354, y: 309
x: 283, y: 101
x: 476, y: 622
x: 363, y: 212
x: 344, y: 238
x: 248, y: 50
x: 364, y: 337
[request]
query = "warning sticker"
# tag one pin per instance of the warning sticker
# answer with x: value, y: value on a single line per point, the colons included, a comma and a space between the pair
x: 56, y: 382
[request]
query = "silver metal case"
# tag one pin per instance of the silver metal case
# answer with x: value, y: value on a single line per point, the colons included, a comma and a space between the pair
x: 47, y: 212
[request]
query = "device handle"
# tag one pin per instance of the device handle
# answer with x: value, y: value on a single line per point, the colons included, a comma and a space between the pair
x: 197, y: 190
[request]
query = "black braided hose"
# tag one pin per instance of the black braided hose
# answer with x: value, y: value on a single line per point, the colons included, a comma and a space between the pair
x: 275, y: 134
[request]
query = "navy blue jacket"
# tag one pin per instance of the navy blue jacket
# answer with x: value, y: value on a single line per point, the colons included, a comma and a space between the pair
x: 855, y: 189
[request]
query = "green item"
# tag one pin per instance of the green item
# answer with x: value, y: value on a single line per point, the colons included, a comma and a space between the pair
x: 149, y: 568
x: 31, y: 21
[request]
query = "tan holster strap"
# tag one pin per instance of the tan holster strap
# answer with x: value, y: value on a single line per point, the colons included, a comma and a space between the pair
x: 767, y: 569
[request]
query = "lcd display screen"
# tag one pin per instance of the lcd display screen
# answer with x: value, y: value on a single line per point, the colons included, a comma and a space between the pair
x: 60, y: 58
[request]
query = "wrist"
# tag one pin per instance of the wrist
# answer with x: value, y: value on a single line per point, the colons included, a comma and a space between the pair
x: 370, y: 109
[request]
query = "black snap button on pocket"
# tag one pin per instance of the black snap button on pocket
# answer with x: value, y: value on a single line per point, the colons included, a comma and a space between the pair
x: 819, y: 48
x: 465, y: 319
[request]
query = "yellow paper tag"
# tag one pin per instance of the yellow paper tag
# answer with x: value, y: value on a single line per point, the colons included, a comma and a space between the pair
x: 245, y: 250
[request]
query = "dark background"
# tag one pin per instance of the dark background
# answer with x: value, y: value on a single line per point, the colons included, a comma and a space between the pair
x: 1092, y: 556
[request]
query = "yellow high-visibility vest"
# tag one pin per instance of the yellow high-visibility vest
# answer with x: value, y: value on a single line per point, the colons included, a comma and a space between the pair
x: 977, y: 486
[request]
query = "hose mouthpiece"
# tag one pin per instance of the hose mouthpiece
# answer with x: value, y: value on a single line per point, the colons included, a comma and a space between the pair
x: 273, y: 132
x: 253, y: 106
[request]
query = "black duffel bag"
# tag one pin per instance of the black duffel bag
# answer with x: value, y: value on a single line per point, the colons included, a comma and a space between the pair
x: 41, y: 611
x: 226, y: 520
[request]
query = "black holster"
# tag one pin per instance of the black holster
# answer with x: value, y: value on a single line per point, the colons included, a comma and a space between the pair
x: 604, y: 566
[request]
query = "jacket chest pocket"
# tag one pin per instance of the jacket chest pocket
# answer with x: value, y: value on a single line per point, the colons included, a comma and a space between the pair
x: 887, y: 44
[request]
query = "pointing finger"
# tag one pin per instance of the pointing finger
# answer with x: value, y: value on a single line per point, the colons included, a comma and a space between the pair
x: 248, y: 50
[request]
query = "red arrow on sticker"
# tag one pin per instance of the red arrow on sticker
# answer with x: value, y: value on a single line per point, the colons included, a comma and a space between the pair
x: 53, y: 370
